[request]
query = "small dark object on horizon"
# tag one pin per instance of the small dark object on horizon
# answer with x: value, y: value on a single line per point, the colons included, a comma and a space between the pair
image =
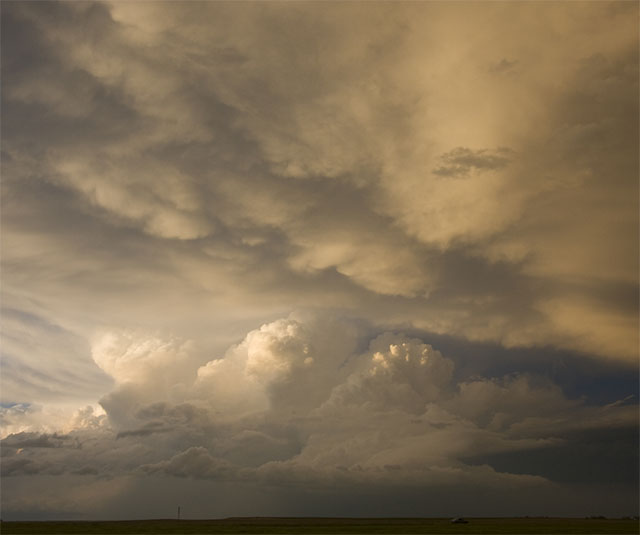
x: 459, y: 521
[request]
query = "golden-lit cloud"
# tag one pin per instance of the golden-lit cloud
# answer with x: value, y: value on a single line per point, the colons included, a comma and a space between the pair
x: 177, y: 174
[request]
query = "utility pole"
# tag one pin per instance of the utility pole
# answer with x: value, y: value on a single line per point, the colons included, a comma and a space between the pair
x: 178, y: 512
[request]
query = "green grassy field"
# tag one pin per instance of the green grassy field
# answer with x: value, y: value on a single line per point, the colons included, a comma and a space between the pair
x: 331, y: 525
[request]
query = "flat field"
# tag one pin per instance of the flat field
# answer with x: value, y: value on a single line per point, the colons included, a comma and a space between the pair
x: 345, y: 526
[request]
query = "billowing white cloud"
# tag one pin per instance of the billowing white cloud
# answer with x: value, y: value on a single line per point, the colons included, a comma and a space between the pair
x: 400, y: 374
x: 131, y: 357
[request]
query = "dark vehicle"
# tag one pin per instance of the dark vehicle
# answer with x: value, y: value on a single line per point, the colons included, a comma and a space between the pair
x: 459, y: 521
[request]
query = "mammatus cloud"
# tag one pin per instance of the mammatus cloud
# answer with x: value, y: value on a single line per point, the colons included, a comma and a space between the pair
x: 236, y: 170
x: 175, y: 174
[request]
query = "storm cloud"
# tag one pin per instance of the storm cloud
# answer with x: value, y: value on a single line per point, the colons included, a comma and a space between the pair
x: 318, y: 248
x: 296, y: 404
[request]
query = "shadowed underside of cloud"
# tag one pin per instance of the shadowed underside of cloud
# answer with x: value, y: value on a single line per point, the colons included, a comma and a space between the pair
x: 461, y: 160
x: 213, y: 158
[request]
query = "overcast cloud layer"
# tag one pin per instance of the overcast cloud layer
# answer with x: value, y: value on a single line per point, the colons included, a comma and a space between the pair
x: 319, y: 258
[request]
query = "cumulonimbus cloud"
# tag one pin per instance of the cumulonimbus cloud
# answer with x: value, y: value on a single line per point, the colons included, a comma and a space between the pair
x: 297, y: 401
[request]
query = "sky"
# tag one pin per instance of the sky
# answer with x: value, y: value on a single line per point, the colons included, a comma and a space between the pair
x: 319, y: 258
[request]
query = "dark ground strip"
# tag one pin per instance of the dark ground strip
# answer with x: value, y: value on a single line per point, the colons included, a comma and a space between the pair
x: 320, y: 526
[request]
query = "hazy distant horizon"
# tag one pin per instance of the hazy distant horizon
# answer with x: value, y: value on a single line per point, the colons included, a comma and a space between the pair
x: 319, y: 259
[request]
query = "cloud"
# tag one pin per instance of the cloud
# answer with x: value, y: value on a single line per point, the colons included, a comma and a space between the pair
x: 350, y: 410
x: 252, y: 176
x: 128, y: 357
x: 459, y: 161
x: 289, y: 364
x: 504, y: 67
x: 179, y: 178
x: 401, y: 373
x: 31, y: 440
x: 194, y: 462
x: 149, y: 429
x: 22, y: 466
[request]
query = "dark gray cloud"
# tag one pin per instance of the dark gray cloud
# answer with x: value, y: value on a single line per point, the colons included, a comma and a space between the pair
x: 33, y: 440
x: 504, y: 67
x: 594, y: 457
x: 461, y: 160
x: 147, y: 430
x: 196, y: 462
